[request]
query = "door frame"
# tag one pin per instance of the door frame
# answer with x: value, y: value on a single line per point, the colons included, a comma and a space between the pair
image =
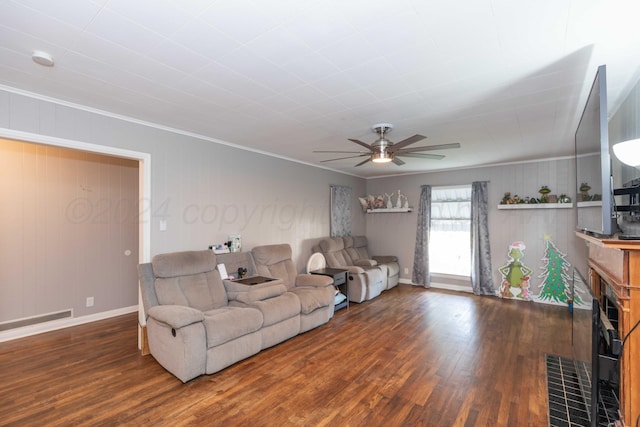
x: 144, y: 187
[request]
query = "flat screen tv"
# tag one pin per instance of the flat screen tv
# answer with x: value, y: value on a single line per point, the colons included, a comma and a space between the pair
x: 594, y: 198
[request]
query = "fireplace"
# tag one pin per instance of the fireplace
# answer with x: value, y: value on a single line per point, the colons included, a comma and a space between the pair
x: 596, y: 349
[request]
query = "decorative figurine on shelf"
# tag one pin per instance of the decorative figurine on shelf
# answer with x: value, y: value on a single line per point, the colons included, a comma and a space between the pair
x: 564, y: 199
x: 399, y: 200
x: 544, y: 198
x: 584, y: 192
x: 364, y: 203
x: 508, y: 200
x: 505, y: 198
x: 379, y: 202
x: 406, y: 202
x: 515, y: 275
x: 389, y: 202
x: 235, y: 243
x: 533, y: 201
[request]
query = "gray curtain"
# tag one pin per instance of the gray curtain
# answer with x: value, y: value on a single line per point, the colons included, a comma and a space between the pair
x: 340, y: 211
x: 421, y: 274
x: 481, y: 276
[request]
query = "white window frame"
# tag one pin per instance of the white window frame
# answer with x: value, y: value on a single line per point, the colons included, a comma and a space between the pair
x: 448, y: 280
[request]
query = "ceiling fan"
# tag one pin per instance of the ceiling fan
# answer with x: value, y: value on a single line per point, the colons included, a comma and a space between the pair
x: 384, y: 151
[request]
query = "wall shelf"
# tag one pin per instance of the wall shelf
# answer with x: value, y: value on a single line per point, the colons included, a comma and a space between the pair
x: 589, y: 204
x: 389, y: 210
x: 536, y: 206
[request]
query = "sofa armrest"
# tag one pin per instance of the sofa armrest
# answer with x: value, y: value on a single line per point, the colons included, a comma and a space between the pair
x: 353, y: 269
x: 363, y: 262
x: 176, y: 316
x: 257, y: 294
x: 383, y: 259
x: 313, y: 280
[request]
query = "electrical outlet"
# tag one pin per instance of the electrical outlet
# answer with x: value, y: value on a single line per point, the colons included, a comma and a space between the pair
x: 406, y: 270
x: 89, y: 301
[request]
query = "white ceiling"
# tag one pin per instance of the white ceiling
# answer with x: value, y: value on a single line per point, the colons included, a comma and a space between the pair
x: 507, y: 79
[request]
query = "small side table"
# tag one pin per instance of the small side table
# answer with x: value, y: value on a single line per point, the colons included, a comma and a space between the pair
x: 339, y: 277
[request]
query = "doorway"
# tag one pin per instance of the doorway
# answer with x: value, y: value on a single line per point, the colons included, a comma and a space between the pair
x: 87, y: 223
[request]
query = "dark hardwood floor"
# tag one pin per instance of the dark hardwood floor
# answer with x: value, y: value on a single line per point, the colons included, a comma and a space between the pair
x: 411, y: 357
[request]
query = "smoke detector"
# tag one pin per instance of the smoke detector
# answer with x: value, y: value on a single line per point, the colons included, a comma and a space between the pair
x: 42, y: 58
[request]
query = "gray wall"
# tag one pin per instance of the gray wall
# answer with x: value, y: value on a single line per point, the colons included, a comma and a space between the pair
x: 204, y: 190
x: 69, y: 230
x: 394, y: 233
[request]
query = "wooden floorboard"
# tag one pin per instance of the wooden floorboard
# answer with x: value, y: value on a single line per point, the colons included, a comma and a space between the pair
x: 411, y: 357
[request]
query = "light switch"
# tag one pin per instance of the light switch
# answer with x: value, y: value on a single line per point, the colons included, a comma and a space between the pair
x: 163, y: 225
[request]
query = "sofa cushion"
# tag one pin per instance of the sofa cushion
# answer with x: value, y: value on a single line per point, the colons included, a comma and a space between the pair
x: 188, y: 278
x: 360, y: 244
x: 313, y: 298
x: 334, y: 252
x: 275, y: 310
x: 203, y: 291
x: 332, y: 244
x: 228, y: 323
x: 275, y: 261
x: 183, y: 263
x: 356, y: 247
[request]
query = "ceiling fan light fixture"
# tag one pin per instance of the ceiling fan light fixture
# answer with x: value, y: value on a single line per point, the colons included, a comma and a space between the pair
x: 381, y: 157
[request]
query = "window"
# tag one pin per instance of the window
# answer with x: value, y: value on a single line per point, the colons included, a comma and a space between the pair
x: 450, y: 235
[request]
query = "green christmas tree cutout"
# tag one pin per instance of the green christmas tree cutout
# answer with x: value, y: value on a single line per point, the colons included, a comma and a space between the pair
x: 555, y: 288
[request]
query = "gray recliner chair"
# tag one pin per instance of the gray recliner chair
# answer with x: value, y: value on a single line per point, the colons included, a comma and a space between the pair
x: 357, y: 248
x: 316, y: 293
x: 365, y: 279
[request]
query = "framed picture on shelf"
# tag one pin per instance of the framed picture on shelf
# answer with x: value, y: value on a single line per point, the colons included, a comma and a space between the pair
x: 236, y: 243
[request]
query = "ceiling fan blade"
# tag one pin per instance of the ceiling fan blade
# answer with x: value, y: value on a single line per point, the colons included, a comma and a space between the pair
x: 397, y: 161
x: 411, y: 140
x: 364, y: 144
x: 427, y: 148
x: 342, y: 158
x: 363, y: 162
x: 422, y: 156
x: 346, y: 152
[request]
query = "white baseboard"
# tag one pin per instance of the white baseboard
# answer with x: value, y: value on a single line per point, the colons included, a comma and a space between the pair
x: 451, y: 287
x: 54, y: 325
x: 440, y: 286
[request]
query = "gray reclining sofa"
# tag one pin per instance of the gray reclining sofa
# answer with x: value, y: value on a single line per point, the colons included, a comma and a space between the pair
x: 368, y: 275
x: 199, y: 324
